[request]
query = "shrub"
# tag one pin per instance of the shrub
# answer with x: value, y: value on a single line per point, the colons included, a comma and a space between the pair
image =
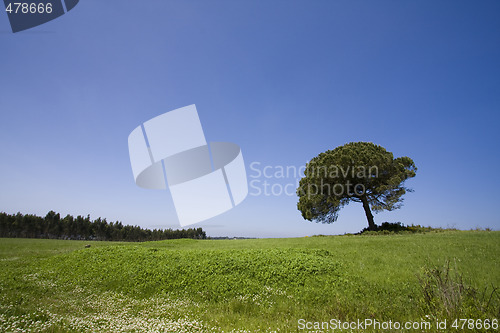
x: 388, y: 228
x: 445, y: 294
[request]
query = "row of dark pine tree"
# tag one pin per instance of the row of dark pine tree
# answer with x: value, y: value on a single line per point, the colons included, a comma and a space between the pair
x: 83, y: 228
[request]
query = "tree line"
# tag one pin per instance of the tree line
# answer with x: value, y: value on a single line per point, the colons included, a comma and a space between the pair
x: 52, y: 226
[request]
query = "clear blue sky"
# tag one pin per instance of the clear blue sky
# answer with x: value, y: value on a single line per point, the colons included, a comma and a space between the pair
x: 285, y: 80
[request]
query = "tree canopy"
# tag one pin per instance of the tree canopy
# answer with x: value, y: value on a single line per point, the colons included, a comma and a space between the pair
x: 358, y: 171
x: 83, y: 228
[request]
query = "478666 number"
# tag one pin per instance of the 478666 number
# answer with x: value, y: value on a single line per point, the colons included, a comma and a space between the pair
x: 31, y: 8
x: 471, y: 324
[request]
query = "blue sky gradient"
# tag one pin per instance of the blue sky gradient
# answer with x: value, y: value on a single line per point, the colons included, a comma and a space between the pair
x: 285, y: 80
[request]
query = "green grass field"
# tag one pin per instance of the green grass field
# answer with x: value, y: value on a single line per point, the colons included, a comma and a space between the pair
x: 255, y: 285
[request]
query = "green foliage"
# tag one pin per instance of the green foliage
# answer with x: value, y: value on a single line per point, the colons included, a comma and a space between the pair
x: 209, y: 274
x: 53, y: 227
x: 357, y: 171
x: 387, y: 228
x: 253, y: 285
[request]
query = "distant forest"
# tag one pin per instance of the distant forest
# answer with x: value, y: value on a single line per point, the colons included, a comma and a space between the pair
x: 82, y: 228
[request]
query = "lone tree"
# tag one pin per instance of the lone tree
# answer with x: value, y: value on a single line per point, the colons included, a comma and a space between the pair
x: 357, y: 171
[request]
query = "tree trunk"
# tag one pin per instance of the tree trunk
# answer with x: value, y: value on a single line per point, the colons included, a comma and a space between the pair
x: 368, y: 212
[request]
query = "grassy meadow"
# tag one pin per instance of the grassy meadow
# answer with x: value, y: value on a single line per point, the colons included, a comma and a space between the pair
x: 252, y: 285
